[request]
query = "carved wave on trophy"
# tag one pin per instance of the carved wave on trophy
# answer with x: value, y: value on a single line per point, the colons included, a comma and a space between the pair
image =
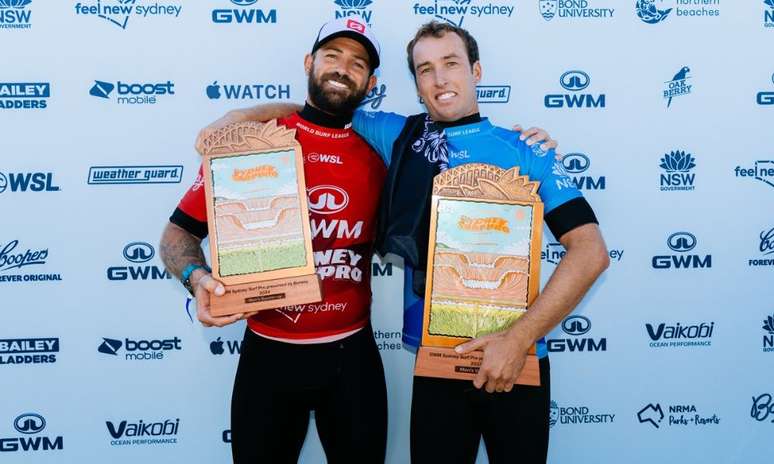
x: 224, y: 206
x: 497, y: 285
x: 480, y: 260
x: 246, y: 136
x: 283, y: 225
x: 485, y: 180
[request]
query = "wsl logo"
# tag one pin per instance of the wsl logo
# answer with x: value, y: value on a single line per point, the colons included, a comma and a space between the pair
x: 678, y: 415
x: 132, y: 93
x: 143, y: 433
x: 768, y: 13
x: 24, y: 95
x: 656, y: 11
x: 13, y: 260
x: 682, y: 242
x: 768, y: 337
x: 247, y: 91
x: 118, y: 12
x: 577, y: 165
x: 31, y: 425
x: 137, y: 253
x: 455, y: 11
x: 576, y: 326
x: 762, y: 171
x: 573, y: 9
x: 373, y: 99
x: 14, y: 14
x: 765, y: 98
x: 678, y: 86
x: 24, y: 182
x: 357, y: 8
x: 766, y: 248
x: 577, y: 415
x: 677, y: 175
x: 574, y: 81
x: 679, y: 335
x: 243, y: 15
x: 28, y: 350
x: 139, y: 350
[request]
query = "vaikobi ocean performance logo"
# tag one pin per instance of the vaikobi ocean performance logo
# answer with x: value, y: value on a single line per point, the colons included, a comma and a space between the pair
x: 455, y: 11
x: 118, y: 12
x: 656, y: 11
x: 15, y: 14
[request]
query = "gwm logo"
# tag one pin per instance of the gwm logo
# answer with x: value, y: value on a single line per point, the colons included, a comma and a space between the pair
x: 574, y: 81
x: 327, y: 199
x: 682, y: 242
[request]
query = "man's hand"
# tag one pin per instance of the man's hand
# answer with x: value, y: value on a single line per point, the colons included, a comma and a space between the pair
x: 504, y: 357
x: 534, y: 135
x: 204, y: 287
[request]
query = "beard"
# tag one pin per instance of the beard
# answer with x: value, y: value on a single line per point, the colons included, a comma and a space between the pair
x: 336, y: 102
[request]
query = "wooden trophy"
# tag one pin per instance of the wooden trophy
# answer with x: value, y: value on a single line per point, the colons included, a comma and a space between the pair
x: 483, y: 268
x: 257, y: 217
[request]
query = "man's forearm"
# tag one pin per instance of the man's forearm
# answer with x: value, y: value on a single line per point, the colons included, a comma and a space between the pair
x: 178, y: 249
x: 585, y: 260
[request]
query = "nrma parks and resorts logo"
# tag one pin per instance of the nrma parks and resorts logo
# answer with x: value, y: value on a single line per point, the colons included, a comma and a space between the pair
x: 243, y: 14
x: 574, y: 9
x: 455, y: 11
x: 677, y: 172
x: 676, y: 415
x: 15, y: 14
x: 119, y: 12
x: 358, y: 8
x: 657, y: 11
x: 574, y: 82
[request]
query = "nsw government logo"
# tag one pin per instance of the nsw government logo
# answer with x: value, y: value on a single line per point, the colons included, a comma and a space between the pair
x: 455, y: 11
x: 118, y: 12
x: 359, y: 8
x: 768, y: 336
x: 678, y: 86
x: 677, y: 176
x: 143, y: 432
x: 139, y: 350
x: 143, y: 93
x: 682, y: 242
x: 15, y: 14
x: 576, y: 326
x: 28, y: 350
x: 768, y: 13
x: 138, y: 254
x: 18, y: 266
x: 763, y: 170
x: 24, y: 95
x: 574, y: 9
x: 656, y: 11
x: 574, y: 81
x: 100, y: 175
x: 766, y: 249
x: 31, y: 426
x: 243, y: 14
x: 247, y: 91
x: 676, y: 415
x: 577, y: 415
x: 677, y: 335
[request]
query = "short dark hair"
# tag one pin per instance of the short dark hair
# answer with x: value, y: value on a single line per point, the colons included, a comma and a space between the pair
x: 437, y: 29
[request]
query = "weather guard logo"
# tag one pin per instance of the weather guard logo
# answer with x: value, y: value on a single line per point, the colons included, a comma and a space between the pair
x: 243, y: 15
x: 24, y: 95
x: 118, y: 12
x: 28, y: 350
x: 248, y: 91
x: 677, y: 176
x: 138, y: 253
x: 493, y: 93
x: 142, y: 433
x: 575, y: 415
x: 356, y: 8
x: 573, y: 9
x: 576, y: 326
x: 680, y: 415
x: 680, y: 335
x: 678, y: 86
x: 139, y: 350
x: 574, y: 81
x: 14, y: 14
x: 455, y: 11
x: 12, y: 259
x: 30, y: 424
x: 132, y: 94
x: 681, y: 242
x: 762, y: 171
x: 102, y: 175
x: 656, y: 11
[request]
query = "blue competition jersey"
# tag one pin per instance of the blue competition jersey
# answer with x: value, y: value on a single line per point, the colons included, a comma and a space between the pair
x: 479, y: 142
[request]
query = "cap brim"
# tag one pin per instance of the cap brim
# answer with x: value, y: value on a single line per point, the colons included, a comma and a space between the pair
x: 373, y: 55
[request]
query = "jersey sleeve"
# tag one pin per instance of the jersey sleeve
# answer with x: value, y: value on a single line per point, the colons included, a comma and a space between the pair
x: 379, y: 129
x: 191, y: 212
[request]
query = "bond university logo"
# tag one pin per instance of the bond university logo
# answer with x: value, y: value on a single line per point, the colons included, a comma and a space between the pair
x: 677, y: 172
x: 768, y: 13
x: 242, y: 12
x: 358, y: 8
x: 121, y: 13
x: 455, y: 11
x: 682, y: 243
x: 768, y: 334
x: 762, y: 170
x: 657, y: 11
x: 577, y: 415
x: 574, y: 9
x: 678, y: 86
x: 30, y: 428
x: 574, y: 82
x: 15, y: 14
x: 24, y: 95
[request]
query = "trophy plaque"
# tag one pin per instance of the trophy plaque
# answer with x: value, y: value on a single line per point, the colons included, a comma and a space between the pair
x: 257, y: 217
x: 483, y: 267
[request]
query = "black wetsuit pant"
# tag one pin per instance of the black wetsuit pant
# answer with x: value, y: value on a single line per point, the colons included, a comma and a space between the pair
x: 277, y: 385
x: 449, y: 417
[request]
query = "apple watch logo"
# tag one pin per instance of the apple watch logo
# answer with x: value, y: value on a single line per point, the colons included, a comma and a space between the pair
x: 213, y: 91
x: 216, y: 347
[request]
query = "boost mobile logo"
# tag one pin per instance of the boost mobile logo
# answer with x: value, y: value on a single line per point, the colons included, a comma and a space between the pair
x: 132, y: 93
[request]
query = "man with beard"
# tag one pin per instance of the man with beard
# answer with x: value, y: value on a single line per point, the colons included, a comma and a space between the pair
x: 317, y: 357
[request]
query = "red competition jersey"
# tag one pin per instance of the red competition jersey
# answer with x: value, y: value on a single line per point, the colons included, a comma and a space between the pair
x: 344, y: 178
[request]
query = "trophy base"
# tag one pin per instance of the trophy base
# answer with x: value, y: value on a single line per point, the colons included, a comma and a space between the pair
x: 445, y: 363
x: 268, y: 294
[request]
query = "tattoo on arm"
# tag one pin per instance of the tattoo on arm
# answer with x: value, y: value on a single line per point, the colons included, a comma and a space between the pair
x: 178, y: 249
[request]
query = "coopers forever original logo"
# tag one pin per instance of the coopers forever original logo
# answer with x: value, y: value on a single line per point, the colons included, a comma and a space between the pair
x: 657, y: 11
x: 15, y: 264
x: 143, y: 432
x: 28, y: 350
x: 243, y: 15
x: 766, y: 248
x: 137, y: 253
x: 24, y: 95
x: 574, y: 9
x: 31, y: 425
x: 679, y: 415
x: 574, y: 81
x: 110, y: 175
x: 575, y: 326
x: 682, y: 242
x: 455, y: 11
x: 677, y: 176
x: 15, y: 14
x: 118, y: 12
x: 144, y: 93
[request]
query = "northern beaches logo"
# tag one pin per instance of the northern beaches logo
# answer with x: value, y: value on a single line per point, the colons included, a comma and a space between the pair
x: 657, y: 11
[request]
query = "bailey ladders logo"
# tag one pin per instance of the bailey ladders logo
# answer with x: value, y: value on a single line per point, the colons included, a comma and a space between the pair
x: 24, y: 95
x: 28, y: 350
x: 678, y: 86
x: 14, y: 14
x: 118, y: 12
x: 455, y: 11
x: 574, y: 9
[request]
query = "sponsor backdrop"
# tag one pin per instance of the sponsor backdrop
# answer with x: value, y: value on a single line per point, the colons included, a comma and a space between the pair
x: 663, y: 109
